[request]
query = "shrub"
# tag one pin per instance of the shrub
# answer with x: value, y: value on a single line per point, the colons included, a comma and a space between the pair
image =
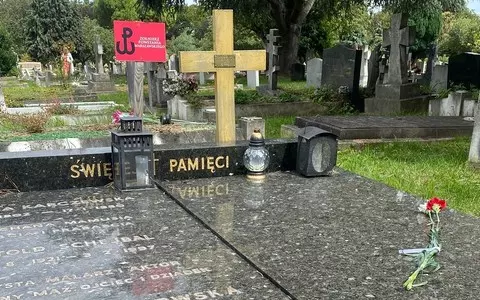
x: 180, y: 85
x: 57, y: 108
x: 32, y: 123
x: 336, y: 103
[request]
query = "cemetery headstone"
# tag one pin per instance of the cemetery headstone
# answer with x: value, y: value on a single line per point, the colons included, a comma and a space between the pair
x: 297, y: 72
x: 161, y: 75
x: 366, y: 53
x: 253, y: 79
x: 439, y: 80
x: 464, y: 70
x: 314, y: 72
x: 3, y: 104
x: 224, y: 61
x: 474, y: 154
x: 201, y: 78
x: 150, y: 68
x: 100, y: 81
x: 393, y: 93
x: 341, y: 68
x: 173, y: 63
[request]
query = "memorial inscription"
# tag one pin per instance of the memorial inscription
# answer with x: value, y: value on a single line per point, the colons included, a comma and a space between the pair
x: 100, y: 244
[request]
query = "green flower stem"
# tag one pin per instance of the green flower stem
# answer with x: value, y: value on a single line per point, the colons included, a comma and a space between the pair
x: 408, y: 284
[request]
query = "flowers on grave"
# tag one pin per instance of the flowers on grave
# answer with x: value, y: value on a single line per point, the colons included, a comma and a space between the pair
x: 425, y: 258
x: 118, y: 114
x: 180, y: 85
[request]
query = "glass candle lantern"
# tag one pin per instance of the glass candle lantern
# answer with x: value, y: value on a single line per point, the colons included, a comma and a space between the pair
x: 256, y: 158
x: 132, y: 155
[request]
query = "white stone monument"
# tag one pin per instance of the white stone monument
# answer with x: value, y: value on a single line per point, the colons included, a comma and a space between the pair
x: 253, y: 79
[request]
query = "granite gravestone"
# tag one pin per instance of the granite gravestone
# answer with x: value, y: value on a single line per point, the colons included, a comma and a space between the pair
x: 3, y: 104
x: 253, y: 79
x: 464, y: 70
x: 100, y: 81
x: 439, y: 79
x: 341, y: 68
x: 366, y: 53
x: 393, y: 93
x: 474, y: 154
x: 99, y: 244
x: 314, y: 72
x: 297, y: 72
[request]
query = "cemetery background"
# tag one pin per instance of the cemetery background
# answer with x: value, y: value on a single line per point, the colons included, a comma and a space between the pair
x: 423, y: 169
x: 362, y: 29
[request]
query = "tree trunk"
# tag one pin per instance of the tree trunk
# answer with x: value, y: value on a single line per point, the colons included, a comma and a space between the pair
x: 289, y: 49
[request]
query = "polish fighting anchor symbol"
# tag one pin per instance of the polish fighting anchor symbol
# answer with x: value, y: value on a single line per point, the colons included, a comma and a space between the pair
x: 126, y: 33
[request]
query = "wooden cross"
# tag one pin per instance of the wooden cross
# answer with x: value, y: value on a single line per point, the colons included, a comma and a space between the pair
x: 224, y: 61
x: 272, y: 48
x: 398, y: 37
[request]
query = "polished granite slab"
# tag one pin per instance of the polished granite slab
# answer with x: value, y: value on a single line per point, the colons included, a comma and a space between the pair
x: 334, y: 237
x: 377, y: 127
x: 95, y: 243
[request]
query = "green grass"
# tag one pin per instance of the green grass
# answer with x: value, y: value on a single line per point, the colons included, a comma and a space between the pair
x: 59, y: 135
x: 273, y: 125
x: 120, y: 98
x: 433, y: 169
x: 15, y: 95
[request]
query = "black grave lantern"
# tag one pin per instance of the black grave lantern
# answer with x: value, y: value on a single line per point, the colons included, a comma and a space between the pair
x: 316, y: 151
x: 132, y: 155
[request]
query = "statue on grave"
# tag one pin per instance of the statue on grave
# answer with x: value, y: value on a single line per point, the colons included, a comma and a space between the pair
x: 67, y: 62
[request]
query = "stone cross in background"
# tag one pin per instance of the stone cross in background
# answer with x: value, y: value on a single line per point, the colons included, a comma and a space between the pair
x: 397, y: 38
x: 273, y: 39
x: 98, y: 48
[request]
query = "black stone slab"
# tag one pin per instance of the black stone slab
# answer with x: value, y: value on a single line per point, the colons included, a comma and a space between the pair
x: 77, y: 168
x: 334, y: 237
x: 97, y: 244
x: 374, y: 127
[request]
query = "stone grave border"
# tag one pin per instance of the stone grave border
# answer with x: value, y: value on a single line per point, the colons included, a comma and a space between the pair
x: 90, y: 167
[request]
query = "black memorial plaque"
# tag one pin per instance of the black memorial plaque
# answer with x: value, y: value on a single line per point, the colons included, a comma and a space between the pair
x: 98, y: 244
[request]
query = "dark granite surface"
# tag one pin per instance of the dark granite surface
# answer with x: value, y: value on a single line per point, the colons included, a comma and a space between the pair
x: 97, y: 244
x: 89, y: 167
x: 334, y: 237
x: 369, y: 127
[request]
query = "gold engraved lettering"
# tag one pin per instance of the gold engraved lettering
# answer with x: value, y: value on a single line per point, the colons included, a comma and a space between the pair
x: 193, y: 164
x: 217, y: 162
x: 75, y: 172
x: 211, y: 164
x: 107, y: 170
x: 173, y: 164
x: 181, y: 165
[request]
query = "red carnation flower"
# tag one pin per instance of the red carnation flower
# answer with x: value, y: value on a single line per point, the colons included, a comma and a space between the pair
x: 436, y: 204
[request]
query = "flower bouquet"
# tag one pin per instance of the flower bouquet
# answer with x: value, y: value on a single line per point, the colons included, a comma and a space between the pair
x: 425, y: 257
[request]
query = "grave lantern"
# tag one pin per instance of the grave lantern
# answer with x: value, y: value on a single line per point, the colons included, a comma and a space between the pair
x: 316, y: 151
x: 132, y: 155
x: 256, y: 158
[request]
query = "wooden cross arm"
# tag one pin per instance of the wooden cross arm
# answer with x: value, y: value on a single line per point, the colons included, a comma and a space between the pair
x: 203, y: 61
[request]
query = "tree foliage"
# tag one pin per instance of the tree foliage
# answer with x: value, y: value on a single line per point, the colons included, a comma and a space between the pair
x: 85, y: 51
x: 12, y: 18
x: 8, y: 59
x: 51, y: 25
x: 460, y: 33
x: 106, y: 11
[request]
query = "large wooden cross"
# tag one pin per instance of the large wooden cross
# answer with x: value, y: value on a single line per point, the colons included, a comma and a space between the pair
x: 224, y: 61
x: 397, y: 38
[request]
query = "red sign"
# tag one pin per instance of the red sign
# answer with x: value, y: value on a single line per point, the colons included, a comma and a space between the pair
x: 139, y: 41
